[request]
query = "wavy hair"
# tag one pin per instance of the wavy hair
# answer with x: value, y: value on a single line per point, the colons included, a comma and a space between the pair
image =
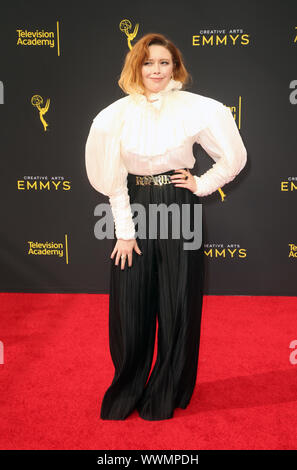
x: 131, y: 78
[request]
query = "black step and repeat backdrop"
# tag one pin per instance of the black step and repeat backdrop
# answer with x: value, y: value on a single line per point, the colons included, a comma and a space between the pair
x: 60, y: 63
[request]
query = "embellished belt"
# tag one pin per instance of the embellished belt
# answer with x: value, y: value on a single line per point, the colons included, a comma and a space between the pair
x: 152, y: 179
x: 158, y: 180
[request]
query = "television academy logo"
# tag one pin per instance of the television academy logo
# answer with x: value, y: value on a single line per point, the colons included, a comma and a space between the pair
x: 58, y: 249
x: 292, y: 250
x: 39, y: 38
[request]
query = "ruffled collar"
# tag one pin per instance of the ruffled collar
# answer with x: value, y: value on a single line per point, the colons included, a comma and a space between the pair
x: 159, y: 96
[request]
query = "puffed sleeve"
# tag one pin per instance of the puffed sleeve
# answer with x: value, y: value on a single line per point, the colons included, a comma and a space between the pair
x: 106, y: 171
x: 222, y: 141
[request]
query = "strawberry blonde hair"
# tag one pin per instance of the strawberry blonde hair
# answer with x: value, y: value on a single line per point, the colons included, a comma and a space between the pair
x: 131, y: 78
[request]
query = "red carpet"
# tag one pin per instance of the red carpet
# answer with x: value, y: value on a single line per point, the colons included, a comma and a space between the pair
x: 57, y: 367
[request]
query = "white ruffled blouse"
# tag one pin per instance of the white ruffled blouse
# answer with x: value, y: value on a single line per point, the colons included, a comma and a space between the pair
x: 134, y: 135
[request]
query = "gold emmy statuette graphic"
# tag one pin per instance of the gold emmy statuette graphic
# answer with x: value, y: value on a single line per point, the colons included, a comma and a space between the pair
x: 125, y: 26
x: 37, y: 101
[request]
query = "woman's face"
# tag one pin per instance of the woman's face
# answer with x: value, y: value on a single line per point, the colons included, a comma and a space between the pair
x: 157, y: 69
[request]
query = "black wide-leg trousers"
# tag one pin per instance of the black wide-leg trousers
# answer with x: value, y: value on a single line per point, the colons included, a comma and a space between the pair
x: 164, y: 283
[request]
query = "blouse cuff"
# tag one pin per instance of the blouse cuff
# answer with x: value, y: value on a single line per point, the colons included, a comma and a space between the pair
x: 215, y: 178
x: 122, y: 215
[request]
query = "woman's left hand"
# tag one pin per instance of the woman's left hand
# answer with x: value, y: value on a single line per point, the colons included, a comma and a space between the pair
x: 179, y: 179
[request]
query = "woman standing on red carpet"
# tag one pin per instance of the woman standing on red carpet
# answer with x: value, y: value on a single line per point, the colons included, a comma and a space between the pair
x: 139, y: 151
